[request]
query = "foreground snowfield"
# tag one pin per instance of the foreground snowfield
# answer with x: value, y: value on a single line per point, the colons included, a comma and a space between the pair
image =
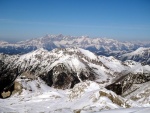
x: 85, y: 97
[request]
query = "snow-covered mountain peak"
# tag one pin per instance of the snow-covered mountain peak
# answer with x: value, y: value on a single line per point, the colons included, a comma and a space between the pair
x: 40, y: 52
x: 75, y: 51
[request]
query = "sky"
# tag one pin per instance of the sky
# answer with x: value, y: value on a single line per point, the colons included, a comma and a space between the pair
x: 124, y: 20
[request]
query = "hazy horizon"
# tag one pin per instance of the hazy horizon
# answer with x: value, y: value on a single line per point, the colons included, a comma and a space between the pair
x: 22, y: 39
x: 123, y: 20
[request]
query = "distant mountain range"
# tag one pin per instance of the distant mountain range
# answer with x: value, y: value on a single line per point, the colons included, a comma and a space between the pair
x: 101, y: 46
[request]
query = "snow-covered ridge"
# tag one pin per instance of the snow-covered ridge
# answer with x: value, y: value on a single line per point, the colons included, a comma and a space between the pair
x: 139, y: 51
x: 140, y: 55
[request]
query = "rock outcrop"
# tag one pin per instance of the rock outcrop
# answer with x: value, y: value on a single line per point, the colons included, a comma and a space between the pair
x: 125, y: 83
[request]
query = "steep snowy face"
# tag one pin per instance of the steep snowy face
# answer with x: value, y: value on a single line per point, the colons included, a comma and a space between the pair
x: 101, y: 46
x: 140, y: 55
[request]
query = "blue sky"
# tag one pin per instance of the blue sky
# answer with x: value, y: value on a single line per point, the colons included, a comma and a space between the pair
x: 118, y: 19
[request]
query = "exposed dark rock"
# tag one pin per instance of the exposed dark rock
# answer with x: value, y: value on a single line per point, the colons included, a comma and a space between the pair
x: 7, y: 78
x: 124, y: 83
x: 16, y: 87
x: 61, y: 77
